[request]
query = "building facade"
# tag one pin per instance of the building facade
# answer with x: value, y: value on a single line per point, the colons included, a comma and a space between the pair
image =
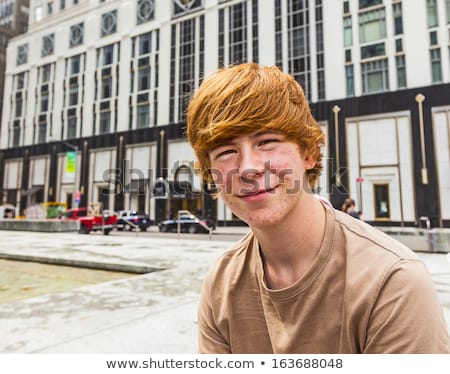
x: 96, y: 93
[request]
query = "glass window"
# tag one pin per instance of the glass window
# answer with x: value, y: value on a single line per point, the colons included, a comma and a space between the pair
x: 350, y: 80
x: 105, y: 122
x: 372, y: 25
x: 44, y: 102
x: 72, y: 127
x: 398, y: 45
x: 108, y: 55
x: 143, y: 116
x: 374, y: 75
x: 46, y: 70
x: 348, y: 36
x: 447, y: 6
x: 38, y: 13
x: 398, y: 18
x: 433, y: 38
x: 373, y: 50
x: 144, y: 79
x: 18, y: 108
x: 42, y: 132
x: 346, y: 7
x: 348, y: 55
x: 75, y: 64
x: 50, y: 8
x: 62, y: 4
x: 401, y: 71
x: 368, y: 3
x: 436, y: 70
x: 145, y: 44
x: 432, y: 13
x: 20, y: 80
x: 106, y: 87
x: 381, y: 195
x: 73, y: 95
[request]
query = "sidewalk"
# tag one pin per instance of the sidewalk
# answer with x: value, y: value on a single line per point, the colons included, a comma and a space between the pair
x: 149, y: 313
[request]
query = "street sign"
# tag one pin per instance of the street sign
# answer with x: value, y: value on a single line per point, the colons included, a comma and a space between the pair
x: 77, y: 197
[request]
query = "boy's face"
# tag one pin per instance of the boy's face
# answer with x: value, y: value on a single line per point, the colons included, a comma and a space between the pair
x: 260, y: 177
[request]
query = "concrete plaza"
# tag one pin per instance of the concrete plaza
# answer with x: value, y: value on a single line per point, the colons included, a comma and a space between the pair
x: 154, y: 312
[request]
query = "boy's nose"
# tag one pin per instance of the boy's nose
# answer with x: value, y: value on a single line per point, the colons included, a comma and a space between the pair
x: 251, y: 164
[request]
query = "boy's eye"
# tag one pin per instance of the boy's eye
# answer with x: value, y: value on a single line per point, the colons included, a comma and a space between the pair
x: 267, y: 141
x: 222, y: 153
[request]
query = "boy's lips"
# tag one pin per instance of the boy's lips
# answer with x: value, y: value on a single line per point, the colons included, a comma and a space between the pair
x: 256, y: 195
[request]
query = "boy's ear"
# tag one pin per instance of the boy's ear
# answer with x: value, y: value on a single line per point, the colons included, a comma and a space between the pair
x: 310, y: 157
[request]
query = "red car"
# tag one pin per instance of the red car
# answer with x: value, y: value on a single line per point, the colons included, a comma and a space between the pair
x: 105, y: 222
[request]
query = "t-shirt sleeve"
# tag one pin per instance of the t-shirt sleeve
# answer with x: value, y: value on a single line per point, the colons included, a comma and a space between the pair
x: 210, y: 338
x: 406, y: 316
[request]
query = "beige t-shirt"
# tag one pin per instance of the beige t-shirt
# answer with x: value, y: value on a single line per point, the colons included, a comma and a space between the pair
x: 365, y: 293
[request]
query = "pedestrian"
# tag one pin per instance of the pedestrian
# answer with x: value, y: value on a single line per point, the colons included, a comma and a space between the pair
x: 349, y: 207
x: 306, y: 278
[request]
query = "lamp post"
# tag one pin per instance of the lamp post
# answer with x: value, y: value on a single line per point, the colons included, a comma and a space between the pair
x: 420, y: 99
x: 336, y: 109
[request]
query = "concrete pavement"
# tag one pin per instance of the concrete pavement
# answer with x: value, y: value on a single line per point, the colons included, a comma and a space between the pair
x: 153, y: 312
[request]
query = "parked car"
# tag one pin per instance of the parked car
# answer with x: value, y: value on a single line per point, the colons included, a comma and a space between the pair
x: 130, y: 219
x: 188, y: 223
x: 105, y: 222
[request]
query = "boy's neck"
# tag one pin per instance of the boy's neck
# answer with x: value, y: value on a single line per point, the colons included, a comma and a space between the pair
x: 289, y: 250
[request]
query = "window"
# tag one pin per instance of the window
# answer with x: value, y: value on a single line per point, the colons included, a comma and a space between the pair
x: 50, y: 8
x: 145, y: 44
x: 372, y: 26
x: 46, y: 71
x: 398, y: 18
x: 42, y: 132
x: 73, y: 95
x: 373, y: 50
x: 72, y: 127
x: 44, y: 102
x: 144, y: 79
x: 18, y: 112
x: 105, y: 122
x: 346, y: 7
x: 109, y: 23
x: 348, y: 55
x: 143, y: 116
x: 401, y: 71
x: 447, y: 6
x: 381, y: 199
x: 348, y: 36
x: 75, y: 64
x: 108, y: 54
x: 62, y: 4
x: 432, y: 13
x: 144, y: 11
x: 38, y: 13
x: 350, y: 80
x: 436, y: 70
x: 369, y: 3
x: 20, y: 81
x: 398, y: 45
x: 16, y: 135
x: 433, y: 38
x: 106, y: 87
x: 374, y: 76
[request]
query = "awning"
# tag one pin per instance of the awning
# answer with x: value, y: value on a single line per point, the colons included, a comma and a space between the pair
x: 32, y: 190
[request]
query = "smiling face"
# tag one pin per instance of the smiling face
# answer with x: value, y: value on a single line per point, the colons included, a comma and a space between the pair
x: 260, y: 177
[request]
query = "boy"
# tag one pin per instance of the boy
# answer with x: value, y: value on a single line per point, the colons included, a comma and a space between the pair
x: 307, y: 278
